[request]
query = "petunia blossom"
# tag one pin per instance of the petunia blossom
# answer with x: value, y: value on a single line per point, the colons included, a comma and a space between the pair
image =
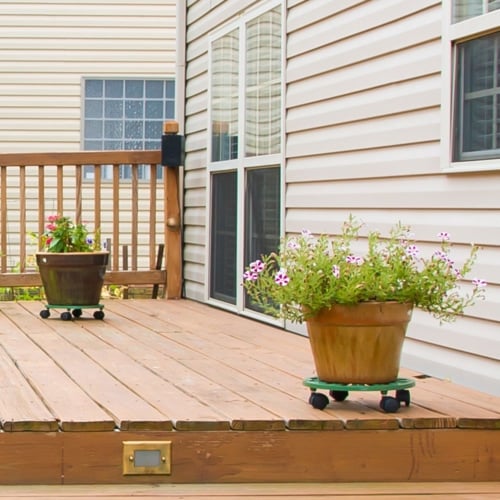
x: 412, y: 251
x: 257, y: 266
x: 250, y: 276
x: 479, y: 283
x: 281, y: 278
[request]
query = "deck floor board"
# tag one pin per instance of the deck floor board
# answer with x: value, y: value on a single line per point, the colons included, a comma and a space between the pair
x: 328, y: 491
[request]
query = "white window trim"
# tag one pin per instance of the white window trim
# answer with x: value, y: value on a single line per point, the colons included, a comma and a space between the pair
x: 242, y: 162
x: 468, y: 29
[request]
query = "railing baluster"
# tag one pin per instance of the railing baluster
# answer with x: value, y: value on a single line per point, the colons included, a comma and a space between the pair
x: 135, y: 210
x: 3, y: 215
x: 22, y: 218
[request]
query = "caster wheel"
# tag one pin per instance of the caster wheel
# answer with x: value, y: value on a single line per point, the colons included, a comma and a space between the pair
x: 389, y: 404
x: 66, y: 316
x: 98, y: 315
x: 77, y: 313
x: 403, y: 396
x: 339, y: 395
x: 44, y: 313
x: 318, y: 401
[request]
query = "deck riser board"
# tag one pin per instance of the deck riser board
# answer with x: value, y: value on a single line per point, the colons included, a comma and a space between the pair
x: 240, y: 457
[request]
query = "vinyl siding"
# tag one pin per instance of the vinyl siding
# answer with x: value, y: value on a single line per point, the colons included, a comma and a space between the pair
x: 46, y: 48
x: 363, y: 136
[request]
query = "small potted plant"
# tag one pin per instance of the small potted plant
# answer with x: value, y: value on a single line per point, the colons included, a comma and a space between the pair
x: 357, y: 295
x: 72, y: 266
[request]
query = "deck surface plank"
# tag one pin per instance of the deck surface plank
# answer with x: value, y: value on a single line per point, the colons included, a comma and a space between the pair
x: 121, y: 403
x: 285, y: 491
x: 20, y: 407
x: 65, y: 399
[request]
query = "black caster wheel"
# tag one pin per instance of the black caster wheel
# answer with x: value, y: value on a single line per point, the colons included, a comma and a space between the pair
x: 339, y: 395
x: 98, y: 315
x: 389, y: 404
x: 403, y: 396
x: 77, y: 313
x: 318, y: 401
x: 44, y: 313
x: 66, y: 316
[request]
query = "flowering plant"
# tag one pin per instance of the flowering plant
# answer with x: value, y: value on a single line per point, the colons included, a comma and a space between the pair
x: 309, y: 274
x: 63, y: 235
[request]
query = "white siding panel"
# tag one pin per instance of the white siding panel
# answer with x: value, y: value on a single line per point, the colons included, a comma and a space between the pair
x: 393, y: 193
x: 406, y: 159
x: 410, y: 128
x: 367, y: 45
x: 47, y: 47
x: 369, y: 104
x: 476, y: 372
x: 311, y: 13
x: 362, y: 17
x: 424, y: 59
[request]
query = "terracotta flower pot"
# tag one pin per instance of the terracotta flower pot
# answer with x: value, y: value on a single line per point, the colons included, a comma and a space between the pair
x: 72, y: 278
x: 360, y: 343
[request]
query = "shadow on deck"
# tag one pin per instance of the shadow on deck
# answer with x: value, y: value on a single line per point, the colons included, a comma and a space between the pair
x: 226, y: 392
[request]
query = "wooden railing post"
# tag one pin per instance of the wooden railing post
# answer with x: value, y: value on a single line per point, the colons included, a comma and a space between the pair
x: 171, y: 159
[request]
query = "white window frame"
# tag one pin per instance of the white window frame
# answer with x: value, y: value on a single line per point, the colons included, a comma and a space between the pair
x: 241, y: 163
x: 453, y: 33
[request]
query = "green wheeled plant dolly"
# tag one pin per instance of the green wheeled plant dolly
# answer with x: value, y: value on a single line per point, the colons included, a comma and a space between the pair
x: 72, y: 311
x: 339, y: 392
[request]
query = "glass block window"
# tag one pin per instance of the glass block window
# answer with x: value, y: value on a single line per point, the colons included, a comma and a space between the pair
x: 125, y: 115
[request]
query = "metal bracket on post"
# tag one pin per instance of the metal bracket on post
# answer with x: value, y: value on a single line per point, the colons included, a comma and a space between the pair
x: 172, y: 145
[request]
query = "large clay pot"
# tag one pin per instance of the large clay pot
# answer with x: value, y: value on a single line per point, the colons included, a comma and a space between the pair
x: 72, y: 278
x: 360, y: 343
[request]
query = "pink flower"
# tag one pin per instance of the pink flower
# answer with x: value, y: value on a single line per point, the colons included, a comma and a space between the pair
x: 336, y: 271
x: 281, y: 278
x: 354, y: 259
x: 444, y: 236
x: 250, y: 276
x: 479, y: 283
x: 412, y: 251
x: 257, y: 266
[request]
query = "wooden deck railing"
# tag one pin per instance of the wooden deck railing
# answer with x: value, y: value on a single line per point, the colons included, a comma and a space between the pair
x: 130, y: 213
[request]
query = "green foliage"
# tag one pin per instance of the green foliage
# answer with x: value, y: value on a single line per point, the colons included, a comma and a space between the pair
x: 63, y: 235
x: 309, y: 274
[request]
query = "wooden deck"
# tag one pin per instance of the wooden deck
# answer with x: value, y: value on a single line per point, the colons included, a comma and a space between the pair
x: 226, y: 392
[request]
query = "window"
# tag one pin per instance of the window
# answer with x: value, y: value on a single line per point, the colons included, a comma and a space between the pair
x: 477, y: 109
x: 475, y: 65
x: 125, y: 114
x: 246, y: 148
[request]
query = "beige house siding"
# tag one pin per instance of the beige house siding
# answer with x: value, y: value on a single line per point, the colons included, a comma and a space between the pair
x: 363, y: 135
x: 48, y: 47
